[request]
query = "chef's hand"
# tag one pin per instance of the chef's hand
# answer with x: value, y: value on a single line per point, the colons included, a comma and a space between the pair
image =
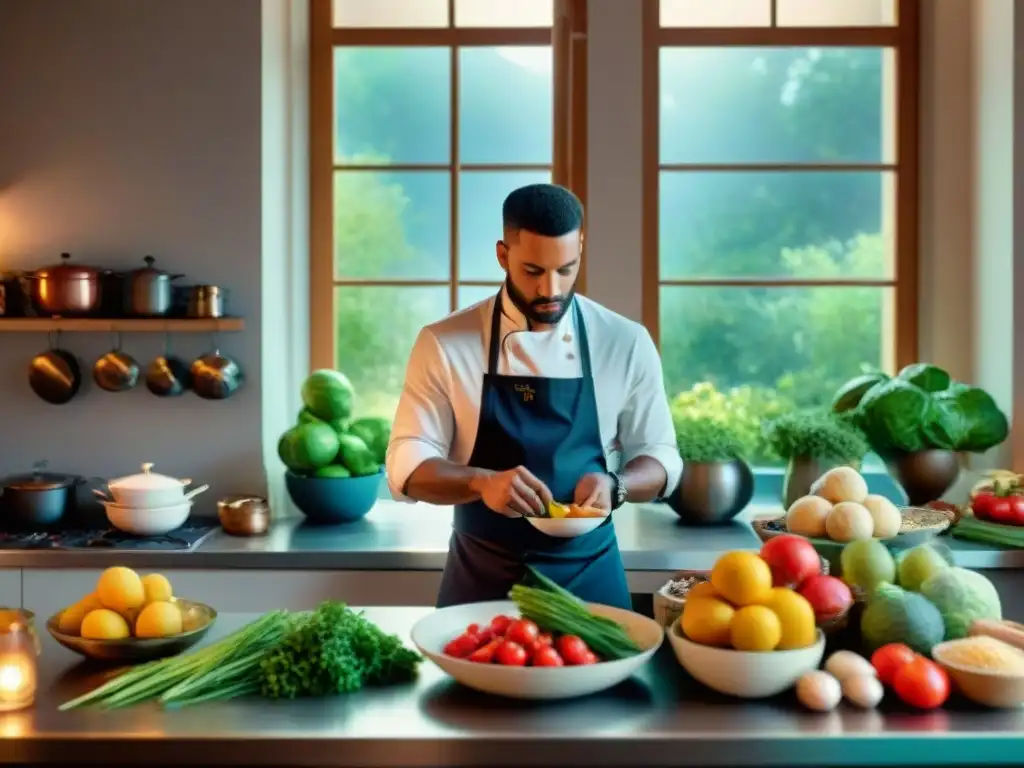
x: 515, y: 493
x: 594, y: 490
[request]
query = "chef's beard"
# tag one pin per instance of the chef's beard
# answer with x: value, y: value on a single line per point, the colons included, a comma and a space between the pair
x: 529, y: 308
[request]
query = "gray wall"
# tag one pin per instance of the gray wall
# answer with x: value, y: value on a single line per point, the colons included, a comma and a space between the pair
x: 129, y: 128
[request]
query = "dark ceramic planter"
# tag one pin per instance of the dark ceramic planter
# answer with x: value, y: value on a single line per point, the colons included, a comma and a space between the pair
x: 924, y: 475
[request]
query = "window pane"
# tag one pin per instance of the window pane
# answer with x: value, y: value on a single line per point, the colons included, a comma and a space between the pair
x: 494, y: 126
x: 800, y: 224
x: 845, y: 13
x: 504, y: 13
x: 471, y: 294
x: 792, y: 347
x: 763, y: 105
x: 481, y: 194
x: 716, y: 13
x: 392, y: 225
x: 391, y: 13
x: 392, y: 105
x: 375, y: 328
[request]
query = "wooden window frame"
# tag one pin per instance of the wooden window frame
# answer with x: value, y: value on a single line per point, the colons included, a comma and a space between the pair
x: 904, y: 38
x: 567, y: 37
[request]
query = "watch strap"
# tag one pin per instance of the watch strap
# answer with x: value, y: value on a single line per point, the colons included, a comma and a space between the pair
x: 618, y: 490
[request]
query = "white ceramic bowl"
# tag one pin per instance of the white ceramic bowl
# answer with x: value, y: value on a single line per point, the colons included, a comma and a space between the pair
x: 154, y: 521
x: 566, y: 527
x: 433, y: 632
x: 745, y: 674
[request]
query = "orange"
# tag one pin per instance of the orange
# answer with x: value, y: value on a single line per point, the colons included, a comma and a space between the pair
x: 706, y: 621
x: 799, y: 629
x: 702, y: 589
x: 755, y: 628
x: 742, y: 578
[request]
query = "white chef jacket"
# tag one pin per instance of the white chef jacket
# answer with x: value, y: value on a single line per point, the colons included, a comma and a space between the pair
x: 439, y: 409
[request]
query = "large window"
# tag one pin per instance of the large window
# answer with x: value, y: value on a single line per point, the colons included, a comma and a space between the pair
x: 780, y: 197
x: 424, y: 115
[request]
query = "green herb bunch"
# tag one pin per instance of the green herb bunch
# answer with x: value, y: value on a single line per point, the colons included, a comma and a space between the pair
x: 335, y: 650
x: 704, y: 441
x: 816, y: 434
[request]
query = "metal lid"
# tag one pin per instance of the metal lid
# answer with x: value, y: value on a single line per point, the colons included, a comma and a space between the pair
x: 146, y: 481
x: 68, y: 271
x: 149, y: 269
x: 38, y: 480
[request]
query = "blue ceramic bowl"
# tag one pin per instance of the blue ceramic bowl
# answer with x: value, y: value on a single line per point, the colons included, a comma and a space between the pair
x: 330, y: 500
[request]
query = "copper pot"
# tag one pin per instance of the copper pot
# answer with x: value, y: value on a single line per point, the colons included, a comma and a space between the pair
x: 65, y: 289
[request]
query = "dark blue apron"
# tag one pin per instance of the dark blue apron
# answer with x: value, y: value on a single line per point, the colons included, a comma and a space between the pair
x: 551, y: 427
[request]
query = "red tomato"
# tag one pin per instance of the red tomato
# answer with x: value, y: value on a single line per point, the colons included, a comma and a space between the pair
x: 462, y: 646
x: 485, y: 654
x: 981, y: 504
x: 547, y: 656
x: 499, y: 624
x: 792, y: 559
x: 590, y: 658
x: 1016, y: 516
x: 572, y: 649
x: 522, y: 631
x: 545, y: 638
x: 830, y: 597
x: 1000, y: 510
x: 922, y: 683
x: 888, y: 659
x: 511, y: 654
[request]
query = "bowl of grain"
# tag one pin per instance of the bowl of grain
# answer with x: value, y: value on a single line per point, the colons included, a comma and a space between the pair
x: 671, y: 597
x: 986, y: 670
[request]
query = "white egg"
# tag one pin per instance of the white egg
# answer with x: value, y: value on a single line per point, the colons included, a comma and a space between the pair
x: 865, y: 691
x: 844, y: 664
x: 819, y: 691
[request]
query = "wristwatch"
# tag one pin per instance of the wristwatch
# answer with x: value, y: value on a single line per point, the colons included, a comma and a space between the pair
x: 618, y: 490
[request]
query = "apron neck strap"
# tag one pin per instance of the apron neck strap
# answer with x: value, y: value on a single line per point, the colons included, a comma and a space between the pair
x: 495, y: 345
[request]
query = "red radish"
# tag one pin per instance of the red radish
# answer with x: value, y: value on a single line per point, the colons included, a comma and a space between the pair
x: 792, y: 559
x: 829, y: 596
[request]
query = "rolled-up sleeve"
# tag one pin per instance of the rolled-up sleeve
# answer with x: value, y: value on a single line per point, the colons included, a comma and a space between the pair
x: 645, y: 423
x: 424, y: 422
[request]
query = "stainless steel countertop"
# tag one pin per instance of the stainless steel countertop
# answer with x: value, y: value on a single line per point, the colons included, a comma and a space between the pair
x: 397, y: 536
x: 660, y: 717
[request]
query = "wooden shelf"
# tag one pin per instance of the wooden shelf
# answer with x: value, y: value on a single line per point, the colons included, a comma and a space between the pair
x: 120, y: 325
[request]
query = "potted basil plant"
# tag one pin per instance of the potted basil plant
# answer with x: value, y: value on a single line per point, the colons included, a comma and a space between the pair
x: 812, y: 442
x: 717, y: 483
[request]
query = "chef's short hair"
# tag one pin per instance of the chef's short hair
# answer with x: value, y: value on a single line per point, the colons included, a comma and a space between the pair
x: 548, y: 210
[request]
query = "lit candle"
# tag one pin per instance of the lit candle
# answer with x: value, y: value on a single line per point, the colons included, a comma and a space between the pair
x: 18, y: 651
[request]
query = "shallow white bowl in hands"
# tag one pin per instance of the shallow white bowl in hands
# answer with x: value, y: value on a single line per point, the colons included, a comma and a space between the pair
x: 431, y: 633
x: 745, y: 674
x: 565, y: 527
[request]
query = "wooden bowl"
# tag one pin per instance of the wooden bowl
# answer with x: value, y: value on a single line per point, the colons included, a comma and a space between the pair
x: 134, y: 650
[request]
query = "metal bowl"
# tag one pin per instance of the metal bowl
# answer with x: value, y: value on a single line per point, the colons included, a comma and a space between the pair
x: 712, y: 493
x: 132, y: 650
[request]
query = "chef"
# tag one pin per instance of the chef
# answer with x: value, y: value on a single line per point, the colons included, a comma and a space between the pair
x: 518, y: 401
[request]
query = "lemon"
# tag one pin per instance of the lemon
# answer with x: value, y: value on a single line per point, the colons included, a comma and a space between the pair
x: 702, y: 589
x: 706, y: 621
x: 120, y: 589
x: 755, y: 628
x: 156, y: 587
x: 742, y: 578
x: 796, y: 617
x: 70, y: 621
x: 159, y: 619
x: 104, y: 624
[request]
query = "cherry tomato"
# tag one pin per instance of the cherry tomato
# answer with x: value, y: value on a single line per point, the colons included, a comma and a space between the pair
x: 922, y: 683
x: 1016, y: 516
x: 981, y: 505
x: 547, y: 656
x: 889, y: 658
x: 473, y: 629
x: 573, y: 649
x: 499, y: 624
x: 545, y: 638
x: 462, y: 646
x: 485, y: 654
x: 511, y: 654
x: 589, y: 658
x: 522, y: 631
